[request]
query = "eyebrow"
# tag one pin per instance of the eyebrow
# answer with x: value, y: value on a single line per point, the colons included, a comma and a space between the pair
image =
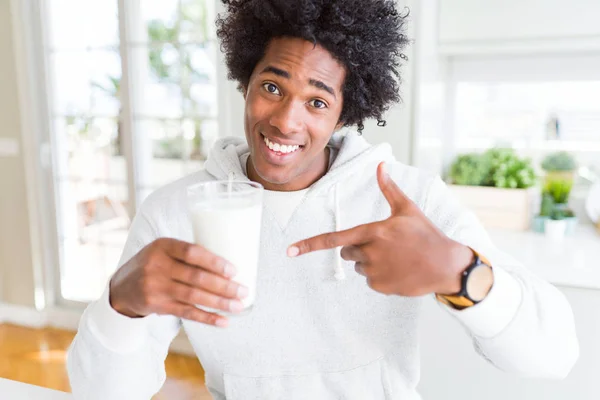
x: 314, y: 82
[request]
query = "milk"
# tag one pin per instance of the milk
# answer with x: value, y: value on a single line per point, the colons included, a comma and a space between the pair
x: 230, y: 228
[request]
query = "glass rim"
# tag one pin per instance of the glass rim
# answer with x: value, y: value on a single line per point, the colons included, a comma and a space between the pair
x: 251, y: 186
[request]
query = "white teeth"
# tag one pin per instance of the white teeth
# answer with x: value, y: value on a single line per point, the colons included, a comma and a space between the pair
x: 280, y: 148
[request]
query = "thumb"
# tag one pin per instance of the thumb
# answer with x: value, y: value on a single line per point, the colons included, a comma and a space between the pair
x: 399, y: 202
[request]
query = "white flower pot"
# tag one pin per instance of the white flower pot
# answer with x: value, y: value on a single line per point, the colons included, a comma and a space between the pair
x: 556, y: 230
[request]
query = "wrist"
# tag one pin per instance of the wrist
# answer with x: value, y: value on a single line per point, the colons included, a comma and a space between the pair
x: 460, y: 258
x: 117, y: 305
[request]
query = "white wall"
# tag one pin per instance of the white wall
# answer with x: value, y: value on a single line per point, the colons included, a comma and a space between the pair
x: 432, y: 127
x: 16, y: 263
x: 451, y: 369
x: 519, y: 26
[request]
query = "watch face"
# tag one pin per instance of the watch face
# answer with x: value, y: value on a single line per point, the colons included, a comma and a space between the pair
x: 478, y: 283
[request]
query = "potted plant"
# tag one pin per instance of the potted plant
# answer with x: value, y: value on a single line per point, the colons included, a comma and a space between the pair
x: 559, y: 165
x: 469, y: 170
x: 496, y: 185
x: 560, y: 190
x: 556, y: 225
x: 547, y: 206
x: 572, y: 220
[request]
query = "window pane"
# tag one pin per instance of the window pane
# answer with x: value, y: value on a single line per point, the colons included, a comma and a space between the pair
x: 198, y: 84
x: 79, y: 24
x: 156, y: 81
x: 92, y: 242
x: 529, y: 114
x: 105, y: 72
x: 89, y: 149
x: 86, y: 82
x: 197, y: 20
x: 181, y: 21
x: 160, y: 19
x: 170, y: 149
x: 91, y: 184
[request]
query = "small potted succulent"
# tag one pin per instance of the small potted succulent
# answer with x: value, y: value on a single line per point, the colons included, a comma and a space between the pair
x: 539, y: 221
x: 556, y: 225
x: 559, y: 190
x: 571, y: 219
x: 559, y: 166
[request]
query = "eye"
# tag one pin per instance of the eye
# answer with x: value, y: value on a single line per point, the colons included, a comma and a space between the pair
x: 316, y: 103
x: 271, y: 88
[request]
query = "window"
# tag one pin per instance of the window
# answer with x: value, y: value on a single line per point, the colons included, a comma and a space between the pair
x: 132, y: 99
x: 533, y: 117
x: 535, y: 104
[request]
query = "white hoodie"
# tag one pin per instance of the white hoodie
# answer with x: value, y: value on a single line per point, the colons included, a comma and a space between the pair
x: 309, y: 335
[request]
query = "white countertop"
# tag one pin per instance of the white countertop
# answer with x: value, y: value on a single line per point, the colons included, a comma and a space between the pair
x: 572, y: 262
x: 12, y: 390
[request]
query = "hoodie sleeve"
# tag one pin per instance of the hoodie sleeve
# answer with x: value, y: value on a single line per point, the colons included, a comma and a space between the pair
x: 525, y: 325
x: 117, y: 357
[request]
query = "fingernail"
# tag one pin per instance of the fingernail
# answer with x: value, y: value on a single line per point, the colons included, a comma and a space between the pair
x: 236, y: 306
x: 229, y: 270
x: 293, y: 251
x: 222, y: 323
x: 242, y: 292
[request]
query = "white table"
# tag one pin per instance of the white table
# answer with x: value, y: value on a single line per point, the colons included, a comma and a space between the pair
x: 573, y: 262
x: 12, y: 390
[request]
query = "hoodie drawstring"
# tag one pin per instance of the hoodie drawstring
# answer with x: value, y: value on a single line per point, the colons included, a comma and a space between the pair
x: 339, y: 272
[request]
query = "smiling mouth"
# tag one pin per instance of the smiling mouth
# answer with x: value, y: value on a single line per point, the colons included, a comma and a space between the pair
x: 281, y: 149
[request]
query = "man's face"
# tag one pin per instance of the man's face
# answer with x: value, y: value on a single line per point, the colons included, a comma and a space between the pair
x: 293, y: 105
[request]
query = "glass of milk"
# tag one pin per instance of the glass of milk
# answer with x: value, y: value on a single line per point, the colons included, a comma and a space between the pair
x: 226, y: 220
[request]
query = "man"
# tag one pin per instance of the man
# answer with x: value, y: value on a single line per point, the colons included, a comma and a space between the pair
x: 317, y: 331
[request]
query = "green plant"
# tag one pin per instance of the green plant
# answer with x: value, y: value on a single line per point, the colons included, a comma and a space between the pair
x: 558, y: 214
x: 560, y: 161
x: 508, y: 170
x: 469, y: 169
x: 547, y: 205
x: 559, y: 189
x: 496, y: 167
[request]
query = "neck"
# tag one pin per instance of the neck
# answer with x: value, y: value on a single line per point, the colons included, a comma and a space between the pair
x: 299, y: 182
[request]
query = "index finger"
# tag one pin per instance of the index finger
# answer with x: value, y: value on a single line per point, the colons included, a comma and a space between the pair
x: 355, y: 236
x: 196, y: 255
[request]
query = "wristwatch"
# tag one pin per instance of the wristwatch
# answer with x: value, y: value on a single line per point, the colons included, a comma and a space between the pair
x: 473, y: 284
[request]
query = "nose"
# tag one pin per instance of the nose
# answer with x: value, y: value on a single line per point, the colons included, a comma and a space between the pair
x: 287, y: 117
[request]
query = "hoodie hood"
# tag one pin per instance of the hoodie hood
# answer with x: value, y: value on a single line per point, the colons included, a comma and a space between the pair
x: 354, y: 157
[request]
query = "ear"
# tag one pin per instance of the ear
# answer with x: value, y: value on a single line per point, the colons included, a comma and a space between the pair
x: 339, y: 126
x: 243, y: 90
